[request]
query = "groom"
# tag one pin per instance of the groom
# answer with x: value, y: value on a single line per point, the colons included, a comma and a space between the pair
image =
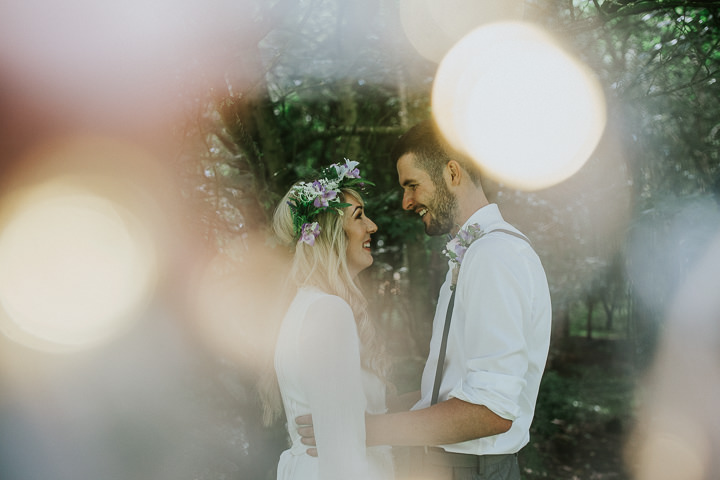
x: 495, y: 306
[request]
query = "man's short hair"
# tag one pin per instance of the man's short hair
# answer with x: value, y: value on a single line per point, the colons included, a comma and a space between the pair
x: 432, y: 152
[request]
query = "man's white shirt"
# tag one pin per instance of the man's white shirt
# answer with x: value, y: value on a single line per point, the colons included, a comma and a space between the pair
x: 499, y: 334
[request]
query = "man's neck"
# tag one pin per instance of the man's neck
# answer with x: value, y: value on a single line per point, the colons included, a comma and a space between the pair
x: 468, y: 204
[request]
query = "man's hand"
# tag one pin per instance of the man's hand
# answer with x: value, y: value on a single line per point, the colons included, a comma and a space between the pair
x: 307, y: 433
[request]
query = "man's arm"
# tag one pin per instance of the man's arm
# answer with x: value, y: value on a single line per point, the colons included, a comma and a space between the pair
x: 404, y: 402
x: 451, y: 421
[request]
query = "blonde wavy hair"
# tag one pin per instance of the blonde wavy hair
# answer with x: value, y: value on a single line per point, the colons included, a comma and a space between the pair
x: 324, y: 266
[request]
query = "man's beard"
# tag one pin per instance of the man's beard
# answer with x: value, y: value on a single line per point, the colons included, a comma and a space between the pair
x: 443, y: 207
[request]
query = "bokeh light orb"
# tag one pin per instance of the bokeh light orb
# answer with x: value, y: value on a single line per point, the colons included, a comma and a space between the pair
x: 433, y: 26
x: 75, y: 267
x: 512, y: 99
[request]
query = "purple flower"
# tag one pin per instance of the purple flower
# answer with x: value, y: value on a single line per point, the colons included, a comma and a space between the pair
x: 465, y: 237
x: 348, y: 170
x: 324, y: 195
x: 460, y: 252
x: 309, y: 232
x: 456, y: 248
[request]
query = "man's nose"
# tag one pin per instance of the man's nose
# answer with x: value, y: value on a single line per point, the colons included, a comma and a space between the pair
x: 407, y: 203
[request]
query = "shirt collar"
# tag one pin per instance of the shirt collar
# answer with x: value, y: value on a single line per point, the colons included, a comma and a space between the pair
x: 484, y: 216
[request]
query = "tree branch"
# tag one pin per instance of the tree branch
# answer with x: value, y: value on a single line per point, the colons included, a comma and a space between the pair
x: 646, y: 6
x: 345, y: 130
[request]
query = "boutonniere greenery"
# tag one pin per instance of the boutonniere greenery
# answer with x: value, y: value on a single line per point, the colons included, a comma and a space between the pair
x: 455, y: 249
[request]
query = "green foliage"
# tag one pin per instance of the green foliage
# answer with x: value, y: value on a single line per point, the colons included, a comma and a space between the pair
x: 557, y: 402
x: 589, y: 395
x: 581, y: 414
x: 599, y: 327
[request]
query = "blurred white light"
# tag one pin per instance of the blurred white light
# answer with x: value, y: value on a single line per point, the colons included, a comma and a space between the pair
x: 663, y: 242
x: 237, y: 303
x: 67, y: 55
x: 433, y: 26
x: 74, y: 268
x: 673, y: 450
x: 509, y: 97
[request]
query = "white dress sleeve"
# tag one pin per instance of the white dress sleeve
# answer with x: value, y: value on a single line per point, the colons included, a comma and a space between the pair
x: 332, y: 379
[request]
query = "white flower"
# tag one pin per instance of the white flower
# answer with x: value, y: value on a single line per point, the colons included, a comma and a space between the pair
x: 348, y: 170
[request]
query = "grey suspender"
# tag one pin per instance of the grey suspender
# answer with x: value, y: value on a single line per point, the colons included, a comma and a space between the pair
x: 446, y: 328
x: 443, y: 348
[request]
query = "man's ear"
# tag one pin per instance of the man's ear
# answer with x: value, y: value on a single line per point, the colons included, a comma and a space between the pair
x: 455, y: 172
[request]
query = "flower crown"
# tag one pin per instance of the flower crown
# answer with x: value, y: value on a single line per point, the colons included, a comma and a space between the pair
x: 309, y: 199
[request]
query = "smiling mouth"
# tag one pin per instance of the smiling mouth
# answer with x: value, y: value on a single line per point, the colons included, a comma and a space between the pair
x: 422, y: 212
x: 366, y: 244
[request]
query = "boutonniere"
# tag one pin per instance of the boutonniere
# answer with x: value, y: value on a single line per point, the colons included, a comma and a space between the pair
x: 455, y: 249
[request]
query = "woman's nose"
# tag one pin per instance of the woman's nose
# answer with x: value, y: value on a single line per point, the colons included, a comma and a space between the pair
x: 371, y: 228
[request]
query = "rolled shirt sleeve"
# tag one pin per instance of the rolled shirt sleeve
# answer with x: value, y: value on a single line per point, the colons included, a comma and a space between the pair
x: 493, y: 299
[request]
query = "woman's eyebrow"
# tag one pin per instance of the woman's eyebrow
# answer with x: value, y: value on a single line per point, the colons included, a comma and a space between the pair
x: 359, y: 207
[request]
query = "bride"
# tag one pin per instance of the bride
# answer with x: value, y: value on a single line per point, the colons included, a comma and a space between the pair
x: 327, y: 358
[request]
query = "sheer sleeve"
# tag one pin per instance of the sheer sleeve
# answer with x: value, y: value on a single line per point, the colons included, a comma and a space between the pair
x: 332, y: 379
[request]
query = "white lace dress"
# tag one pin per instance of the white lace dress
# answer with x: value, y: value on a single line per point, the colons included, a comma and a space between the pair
x: 317, y: 360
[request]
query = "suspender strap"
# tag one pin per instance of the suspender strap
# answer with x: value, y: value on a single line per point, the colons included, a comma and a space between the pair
x: 446, y: 328
x: 443, y: 348
x: 510, y: 232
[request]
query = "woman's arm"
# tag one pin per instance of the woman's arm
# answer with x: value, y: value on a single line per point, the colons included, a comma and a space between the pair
x: 332, y: 381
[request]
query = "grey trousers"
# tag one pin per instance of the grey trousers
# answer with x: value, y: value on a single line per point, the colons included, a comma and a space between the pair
x: 418, y: 463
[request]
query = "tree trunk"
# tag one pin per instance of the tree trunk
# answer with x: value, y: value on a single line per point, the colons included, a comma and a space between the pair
x: 609, y: 315
x: 561, y: 323
x: 348, y: 115
x: 588, y: 326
